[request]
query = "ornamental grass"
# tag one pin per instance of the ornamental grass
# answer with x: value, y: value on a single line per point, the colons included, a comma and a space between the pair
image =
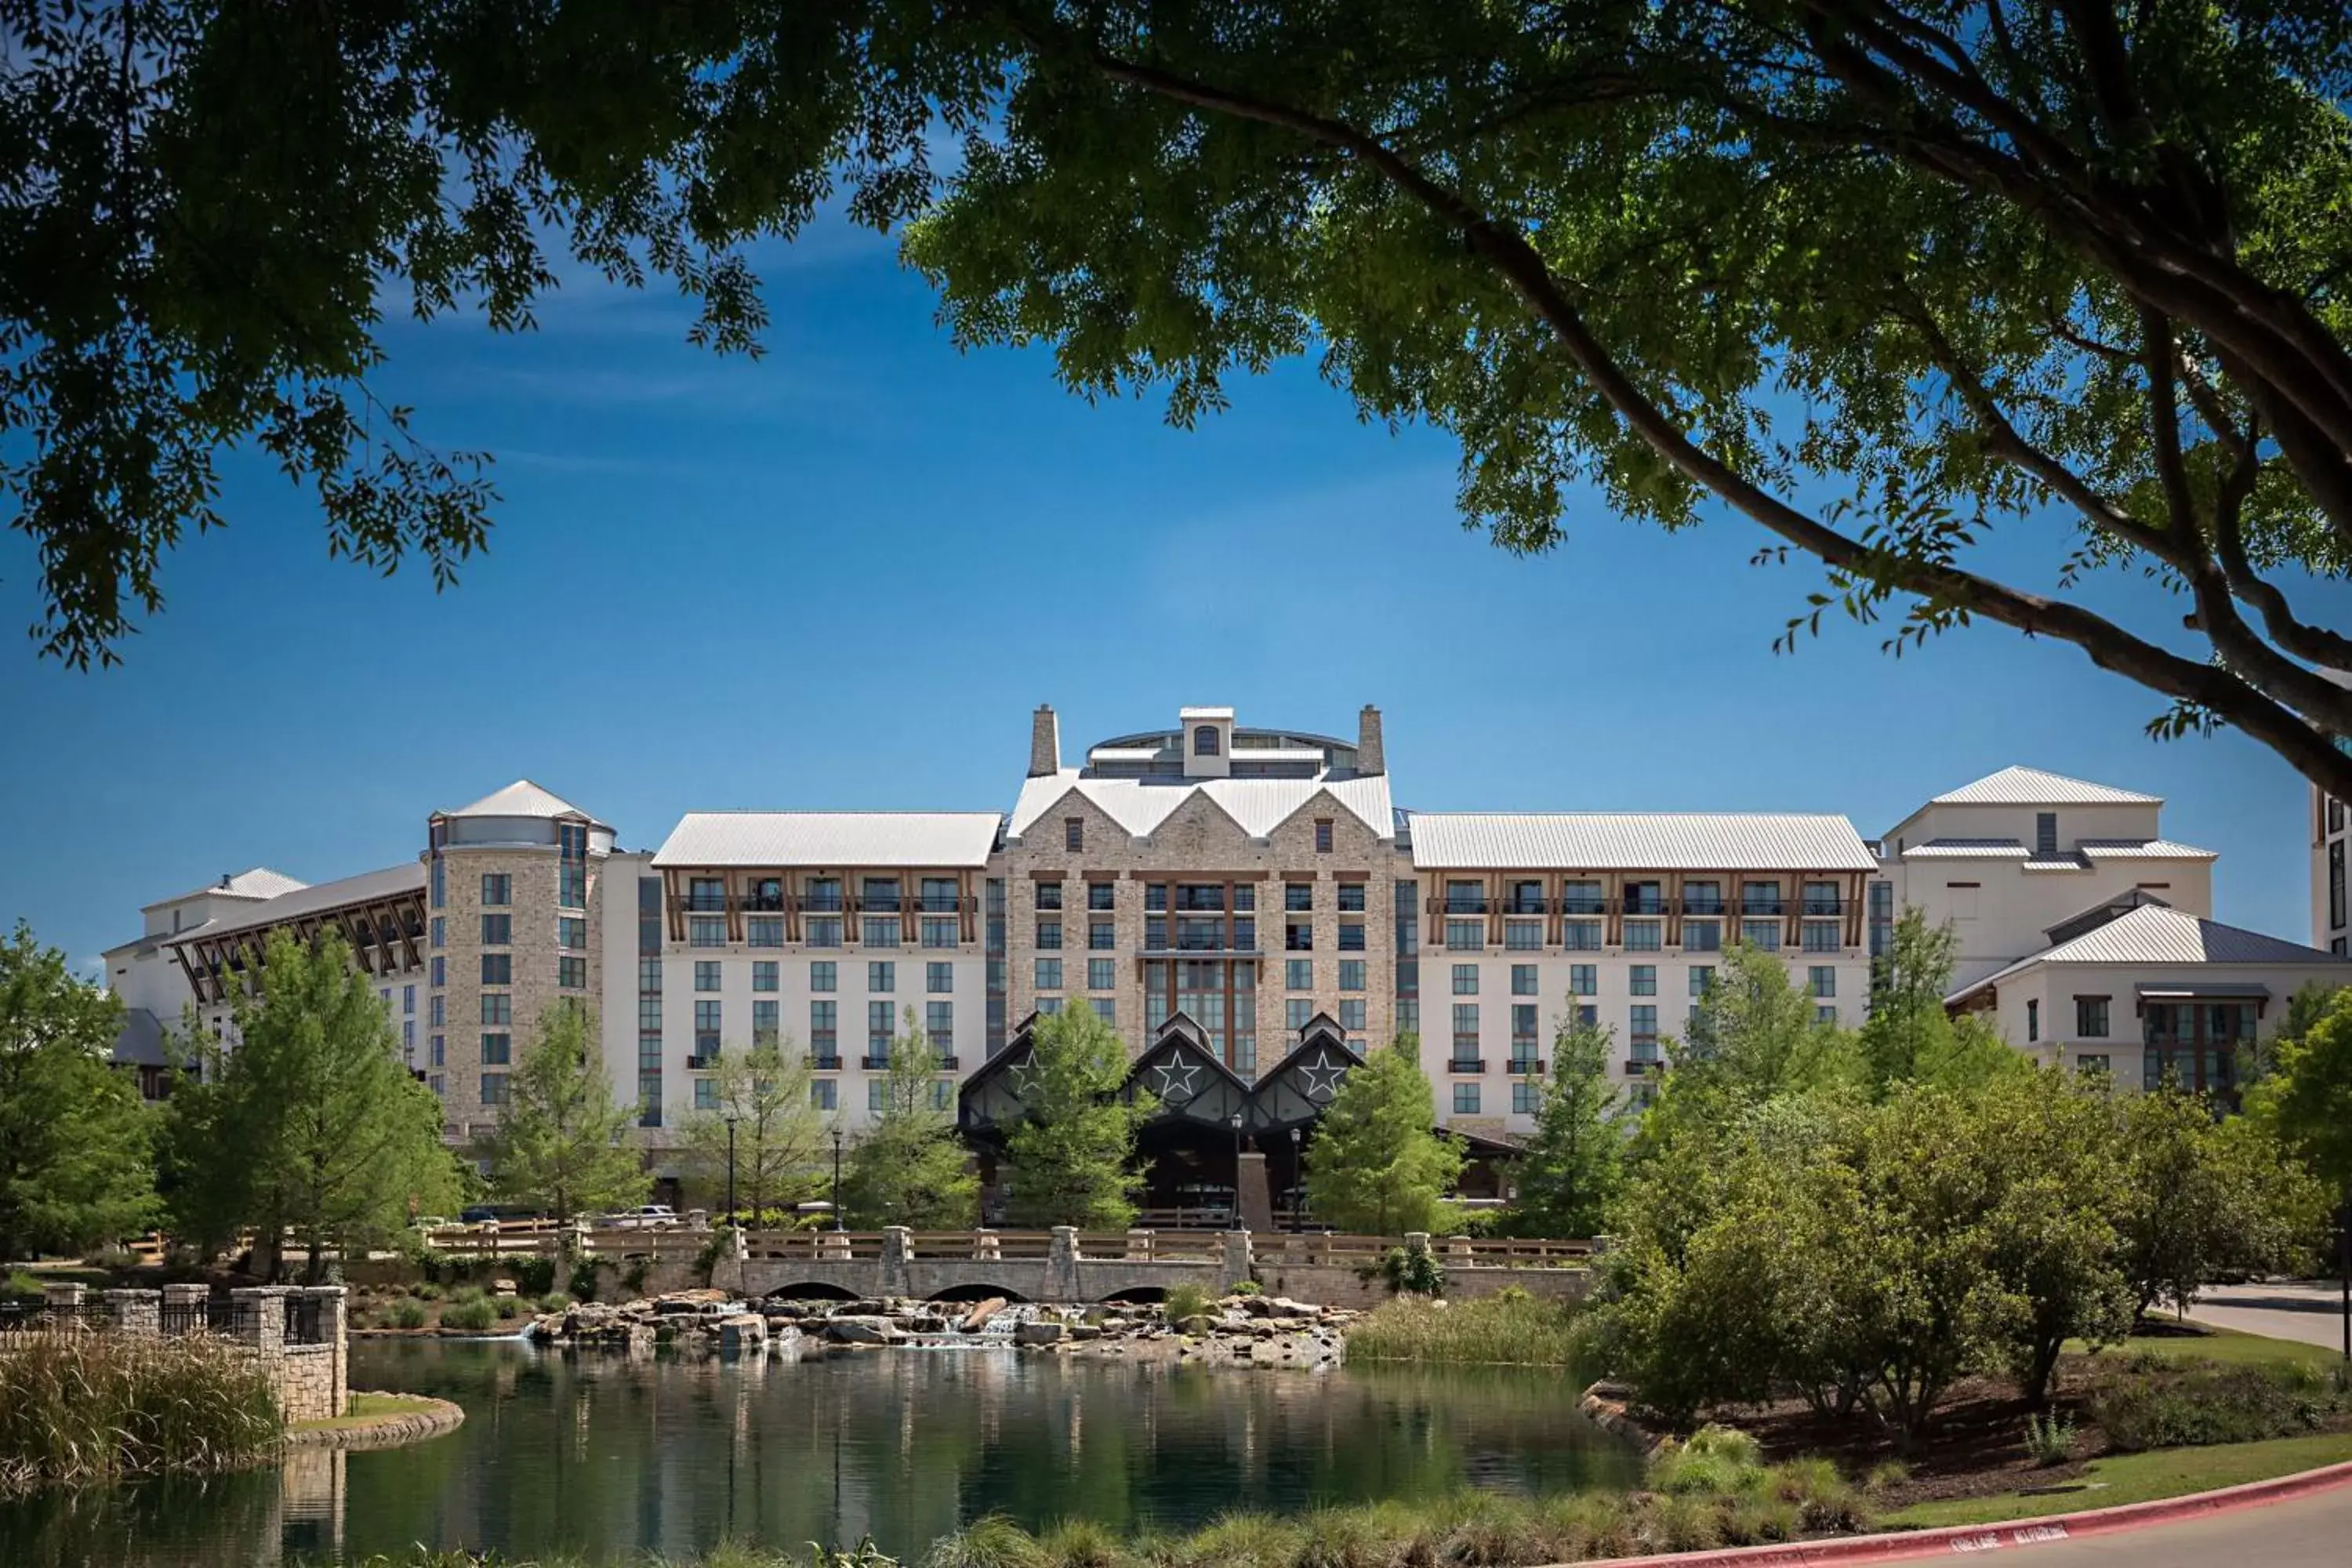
x: 81, y: 1407
x: 1513, y: 1329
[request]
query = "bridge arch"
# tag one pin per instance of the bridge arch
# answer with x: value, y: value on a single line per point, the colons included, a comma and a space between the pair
x: 811, y: 1290
x: 976, y: 1292
x: 1138, y: 1295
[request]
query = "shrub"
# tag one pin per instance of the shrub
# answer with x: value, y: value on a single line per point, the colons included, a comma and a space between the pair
x: 991, y: 1541
x: 583, y: 1284
x: 408, y: 1314
x: 555, y: 1301
x: 1506, y: 1329
x: 632, y: 1277
x: 1716, y: 1461
x: 1887, y: 1474
x: 1247, y: 1287
x: 427, y: 1291
x: 1184, y: 1302
x: 534, y: 1276
x: 2151, y: 1404
x: 1414, y: 1271
x: 506, y: 1307
x: 21, y: 1283
x: 467, y: 1295
x: 472, y: 1317
x: 91, y: 1407
x: 2049, y: 1440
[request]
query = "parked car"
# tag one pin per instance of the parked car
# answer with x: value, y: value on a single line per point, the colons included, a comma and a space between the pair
x: 649, y: 1216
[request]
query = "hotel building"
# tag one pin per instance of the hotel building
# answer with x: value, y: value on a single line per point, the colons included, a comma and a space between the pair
x: 1239, y: 886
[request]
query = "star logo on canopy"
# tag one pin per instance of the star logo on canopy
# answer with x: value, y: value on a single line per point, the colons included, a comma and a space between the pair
x: 1023, y: 1077
x: 1321, y: 1077
x: 1176, y: 1080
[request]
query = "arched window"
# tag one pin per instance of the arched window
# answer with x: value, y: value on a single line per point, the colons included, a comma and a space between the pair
x: 1204, y: 741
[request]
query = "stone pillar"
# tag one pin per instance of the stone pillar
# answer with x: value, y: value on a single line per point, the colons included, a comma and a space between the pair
x: 183, y: 1306
x: 898, y: 1251
x: 1237, y: 1257
x: 1255, y: 1198
x: 63, y: 1297
x: 261, y: 1318
x: 984, y: 1244
x: 332, y: 1330
x: 1062, y: 1265
x: 135, y: 1311
x: 1138, y: 1247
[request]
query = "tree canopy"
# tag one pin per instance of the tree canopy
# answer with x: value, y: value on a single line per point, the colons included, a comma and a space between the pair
x: 1572, y: 1165
x: 1376, y: 1163
x: 74, y: 1139
x: 1072, y: 1154
x: 561, y: 1142
x: 777, y: 1133
x: 1884, y: 278
x: 909, y: 1167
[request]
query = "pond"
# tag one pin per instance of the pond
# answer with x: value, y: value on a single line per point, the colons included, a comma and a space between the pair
x: 608, y: 1458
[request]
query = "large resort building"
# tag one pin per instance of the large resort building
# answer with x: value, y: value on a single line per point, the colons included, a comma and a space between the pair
x: 1240, y: 904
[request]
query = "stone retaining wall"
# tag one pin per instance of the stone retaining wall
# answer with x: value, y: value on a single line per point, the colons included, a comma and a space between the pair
x: 311, y: 1380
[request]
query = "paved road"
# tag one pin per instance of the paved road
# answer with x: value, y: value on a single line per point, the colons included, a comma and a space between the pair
x: 2309, y: 1310
x: 2306, y: 1532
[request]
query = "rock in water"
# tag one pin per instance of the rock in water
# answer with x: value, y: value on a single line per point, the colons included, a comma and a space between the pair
x: 1036, y: 1333
x: 977, y: 1319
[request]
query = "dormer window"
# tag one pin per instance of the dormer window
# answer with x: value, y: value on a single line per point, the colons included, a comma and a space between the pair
x: 1204, y: 740
x: 2046, y: 832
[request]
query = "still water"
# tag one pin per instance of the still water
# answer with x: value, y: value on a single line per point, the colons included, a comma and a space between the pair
x: 610, y: 1458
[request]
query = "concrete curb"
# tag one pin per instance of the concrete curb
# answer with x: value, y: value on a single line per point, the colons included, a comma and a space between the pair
x: 386, y: 1432
x: 1898, y: 1545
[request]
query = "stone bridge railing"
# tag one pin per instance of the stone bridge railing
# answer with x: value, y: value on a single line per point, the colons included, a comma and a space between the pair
x: 1066, y: 1264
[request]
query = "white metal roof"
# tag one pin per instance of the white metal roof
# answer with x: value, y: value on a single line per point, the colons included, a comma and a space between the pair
x: 520, y: 798
x: 2143, y: 849
x: 1966, y: 849
x: 2155, y: 933
x: 1643, y: 841
x: 367, y: 887
x: 1204, y: 712
x: 2033, y: 786
x: 1260, y: 805
x: 830, y: 838
x: 260, y: 882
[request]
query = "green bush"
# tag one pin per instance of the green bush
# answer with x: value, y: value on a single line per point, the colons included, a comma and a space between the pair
x: 583, y: 1283
x: 2148, y: 1403
x: 1184, y: 1302
x: 533, y: 1276
x: 472, y: 1317
x: 633, y: 1278
x: 2049, y: 1440
x: 408, y: 1314
x: 1247, y: 1287
x: 1512, y: 1329
x: 1414, y: 1271
x: 93, y: 1407
x: 425, y: 1292
x: 555, y: 1301
x: 508, y: 1308
x: 467, y: 1295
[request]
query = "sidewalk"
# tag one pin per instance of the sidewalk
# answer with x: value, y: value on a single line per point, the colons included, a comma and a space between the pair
x: 2306, y: 1309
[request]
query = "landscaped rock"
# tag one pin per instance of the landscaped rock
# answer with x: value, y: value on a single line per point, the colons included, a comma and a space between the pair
x: 1085, y: 1331
x: 1037, y: 1334
x: 743, y: 1333
x: 977, y: 1319
x: 860, y: 1332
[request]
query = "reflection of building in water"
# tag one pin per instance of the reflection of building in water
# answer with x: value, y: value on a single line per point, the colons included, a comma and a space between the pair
x: 312, y: 1484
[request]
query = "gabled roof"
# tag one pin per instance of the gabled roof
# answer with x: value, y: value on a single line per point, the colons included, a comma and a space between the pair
x: 2157, y: 933
x: 2033, y: 786
x: 393, y: 881
x: 1258, y: 804
x: 1636, y: 841
x: 830, y: 838
x: 258, y: 882
x: 520, y: 798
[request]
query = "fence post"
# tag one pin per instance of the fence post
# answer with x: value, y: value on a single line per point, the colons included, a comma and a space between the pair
x: 261, y: 1318
x: 65, y: 1296
x: 898, y: 1251
x: 184, y: 1307
x: 1237, y: 1257
x: 1138, y: 1247
x: 984, y: 1244
x: 1062, y: 1265
x: 331, y: 1299
x: 135, y: 1311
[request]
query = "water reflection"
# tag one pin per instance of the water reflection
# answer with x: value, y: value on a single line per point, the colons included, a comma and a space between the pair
x: 609, y: 1458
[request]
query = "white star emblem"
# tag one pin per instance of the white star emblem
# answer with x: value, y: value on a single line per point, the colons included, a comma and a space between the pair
x: 1023, y: 1077
x: 1176, y: 1080
x: 1322, y: 1077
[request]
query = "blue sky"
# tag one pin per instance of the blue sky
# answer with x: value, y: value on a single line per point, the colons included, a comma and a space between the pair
x: 841, y: 576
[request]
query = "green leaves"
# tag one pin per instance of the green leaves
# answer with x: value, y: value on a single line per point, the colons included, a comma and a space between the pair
x: 1376, y: 1164
x: 1571, y: 1167
x: 561, y: 1142
x: 909, y: 1167
x: 1073, y: 1152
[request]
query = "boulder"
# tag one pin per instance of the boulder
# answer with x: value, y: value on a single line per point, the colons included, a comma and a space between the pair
x: 1086, y: 1332
x: 743, y: 1333
x: 977, y: 1319
x: 1196, y: 1325
x: 860, y: 1332
x: 502, y: 1287
x: 1037, y: 1334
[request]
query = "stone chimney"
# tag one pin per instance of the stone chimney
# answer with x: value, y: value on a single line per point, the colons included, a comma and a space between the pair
x: 1044, y: 743
x: 1371, y: 756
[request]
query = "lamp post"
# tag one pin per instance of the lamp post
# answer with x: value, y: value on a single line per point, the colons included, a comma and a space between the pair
x: 731, y: 1168
x: 1297, y: 1186
x: 1236, y: 1224
x: 837, y: 1178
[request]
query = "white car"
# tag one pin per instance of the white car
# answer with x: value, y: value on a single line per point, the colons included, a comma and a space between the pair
x: 651, y: 1216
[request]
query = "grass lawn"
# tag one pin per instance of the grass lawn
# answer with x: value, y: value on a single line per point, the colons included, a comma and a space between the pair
x: 2141, y: 1477
x: 367, y: 1409
x: 2226, y: 1345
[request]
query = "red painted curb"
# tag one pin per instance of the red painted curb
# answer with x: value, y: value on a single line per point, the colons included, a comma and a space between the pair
x: 1897, y: 1545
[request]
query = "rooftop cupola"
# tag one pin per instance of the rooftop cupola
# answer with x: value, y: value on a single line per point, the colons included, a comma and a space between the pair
x: 1206, y: 736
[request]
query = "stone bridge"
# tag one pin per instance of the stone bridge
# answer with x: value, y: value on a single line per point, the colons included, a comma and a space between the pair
x: 1065, y: 1265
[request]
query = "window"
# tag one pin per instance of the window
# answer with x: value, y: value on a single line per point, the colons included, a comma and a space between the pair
x: 2091, y: 1017
x: 2033, y: 1021
x: 1465, y: 980
x: 879, y: 1030
x: 440, y: 930
x: 822, y: 895
x: 1408, y: 1016
x: 878, y: 895
x: 1101, y: 896
x: 706, y: 1024
x: 1298, y: 936
x: 1701, y: 936
x: 2045, y: 834
x: 1297, y: 1012
x: 1049, y: 935
x: 1352, y: 1014
x: 571, y: 973
x: 1074, y: 832
x: 766, y: 973
x: 572, y: 932
x: 1322, y: 835
x: 2334, y: 814
x: 494, y: 1089
x: 823, y: 1034
x: 1466, y: 1100
x: 766, y: 1029
x: 1762, y: 935
x: 438, y: 888
x: 939, y: 978
x: 496, y: 1049
x: 1581, y: 897
x: 882, y: 977
x: 706, y: 974
x: 1465, y: 899
x: 1102, y: 936
x: 1049, y: 974
x: 1523, y: 1098
x: 1644, y: 936
x: 434, y: 1006
x: 1351, y: 936
x: 1155, y: 896
x: 1825, y: 1015
x: 1822, y: 936
x: 1702, y: 976
x: 498, y: 889
x: 1352, y: 898
x: 1204, y: 740
x: 1298, y: 897
x: 1641, y: 1021
x: 706, y: 1094
x: 824, y: 1093
x: 1049, y: 895
x: 765, y: 930
x: 1351, y: 974
x: 2335, y: 883
x: 823, y: 975
x: 1821, y: 979
x: 2098, y: 1062
x: 938, y: 1023
x: 572, y: 887
x: 1466, y: 1031
x: 497, y: 1007
x: 879, y: 930
x: 1523, y: 1034
x: 878, y: 1094
x: 1102, y: 973
x: 1523, y: 979
x: 1645, y: 980
x: 1584, y: 980
x: 1580, y: 936
x: 440, y: 1050
x: 1759, y: 897
x: 823, y: 932
x: 1587, y: 1015
x: 1465, y: 936
x: 705, y: 930
x: 497, y: 931
x: 408, y: 999
x: 1523, y: 936
x: 1298, y: 974
x: 939, y: 933
x: 498, y: 969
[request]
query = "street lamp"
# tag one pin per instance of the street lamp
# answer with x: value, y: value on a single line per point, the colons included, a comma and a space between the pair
x: 837, y: 1178
x: 1298, y: 1187
x: 731, y: 1168
x: 1236, y: 1221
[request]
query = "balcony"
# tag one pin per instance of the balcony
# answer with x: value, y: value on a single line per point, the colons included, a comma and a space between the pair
x: 1639, y: 1067
x: 700, y: 903
x: 1583, y: 904
x: 1466, y: 1065
x: 872, y: 1063
x: 1202, y: 943
x: 1762, y: 909
x: 939, y: 904
x: 825, y: 1061
x: 878, y: 904
x: 1521, y: 904
x: 1462, y: 904
x: 703, y: 1062
x: 821, y: 903
x: 1527, y: 1066
x: 1704, y: 907
x: 947, y: 1064
x: 762, y: 903
x: 1823, y: 905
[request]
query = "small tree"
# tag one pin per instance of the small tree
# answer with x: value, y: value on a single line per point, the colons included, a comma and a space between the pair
x: 1909, y: 1036
x: 1071, y: 1155
x: 560, y: 1144
x: 1376, y: 1163
x: 777, y: 1133
x: 2205, y: 1195
x: 75, y: 1166
x: 909, y: 1167
x: 313, y: 1124
x: 1575, y: 1162
x: 1753, y: 1036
